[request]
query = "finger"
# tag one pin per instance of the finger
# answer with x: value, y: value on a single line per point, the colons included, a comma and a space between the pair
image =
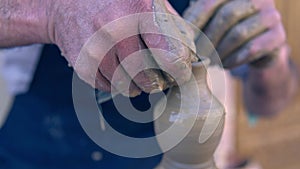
x: 247, y: 30
x: 258, y: 47
x: 267, y: 60
x: 161, y: 32
x: 230, y: 14
x: 187, y: 33
x: 201, y: 11
x: 103, y: 84
x: 90, y: 57
x: 259, y: 4
x: 170, y: 8
x: 110, y: 69
x: 133, y: 59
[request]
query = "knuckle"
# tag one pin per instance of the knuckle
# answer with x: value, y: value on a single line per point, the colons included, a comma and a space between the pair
x: 239, y: 33
x: 260, y: 4
x: 271, y: 14
x: 228, y: 12
x: 179, y: 55
x: 277, y: 15
x: 252, y: 50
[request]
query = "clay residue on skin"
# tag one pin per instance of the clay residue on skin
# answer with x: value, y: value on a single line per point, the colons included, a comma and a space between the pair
x: 147, y: 79
x: 241, y: 34
x: 201, y: 11
x: 228, y: 16
x: 179, y: 43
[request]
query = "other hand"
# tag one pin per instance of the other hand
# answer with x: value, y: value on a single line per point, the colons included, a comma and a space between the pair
x: 242, y: 31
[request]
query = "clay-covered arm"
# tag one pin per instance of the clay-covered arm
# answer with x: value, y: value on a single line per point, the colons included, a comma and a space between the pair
x: 267, y: 90
x: 23, y: 22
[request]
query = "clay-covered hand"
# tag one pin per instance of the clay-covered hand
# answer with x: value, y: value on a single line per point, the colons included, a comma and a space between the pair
x: 241, y: 30
x: 265, y: 88
x: 72, y: 23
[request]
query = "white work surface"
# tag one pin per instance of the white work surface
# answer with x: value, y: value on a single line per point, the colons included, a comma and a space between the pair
x: 5, y: 99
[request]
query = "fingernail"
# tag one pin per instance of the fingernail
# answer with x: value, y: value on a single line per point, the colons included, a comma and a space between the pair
x: 169, y: 79
x: 135, y: 93
x: 158, y: 85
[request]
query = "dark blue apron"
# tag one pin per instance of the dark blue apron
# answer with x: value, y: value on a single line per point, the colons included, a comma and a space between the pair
x: 43, y: 132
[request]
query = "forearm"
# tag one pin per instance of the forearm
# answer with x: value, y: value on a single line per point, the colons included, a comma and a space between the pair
x: 23, y: 22
x: 268, y: 90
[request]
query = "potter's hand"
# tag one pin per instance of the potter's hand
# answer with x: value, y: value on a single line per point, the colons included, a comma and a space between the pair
x: 265, y: 88
x: 69, y: 24
x: 73, y: 23
x: 242, y: 31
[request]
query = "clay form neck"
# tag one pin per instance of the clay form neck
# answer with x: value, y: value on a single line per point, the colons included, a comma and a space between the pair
x: 196, y: 149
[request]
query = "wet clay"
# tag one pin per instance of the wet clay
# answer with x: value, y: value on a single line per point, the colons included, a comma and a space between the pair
x: 196, y: 149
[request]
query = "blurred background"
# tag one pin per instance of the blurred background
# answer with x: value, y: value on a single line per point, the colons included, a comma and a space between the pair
x: 274, y: 143
x: 5, y: 99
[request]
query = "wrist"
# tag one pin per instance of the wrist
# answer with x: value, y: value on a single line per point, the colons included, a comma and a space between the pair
x: 23, y: 22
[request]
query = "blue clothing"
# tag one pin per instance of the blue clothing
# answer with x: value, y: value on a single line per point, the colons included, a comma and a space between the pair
x: 43, y: 132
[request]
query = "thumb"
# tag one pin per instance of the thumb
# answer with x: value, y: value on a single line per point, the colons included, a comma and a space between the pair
x: 166, y: 36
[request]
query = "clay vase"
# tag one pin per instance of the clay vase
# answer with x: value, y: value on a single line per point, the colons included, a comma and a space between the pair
x: 196, y: 149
